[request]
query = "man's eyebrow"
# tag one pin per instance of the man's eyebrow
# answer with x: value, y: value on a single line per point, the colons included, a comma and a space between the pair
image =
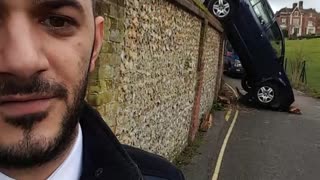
x: 56, y: 4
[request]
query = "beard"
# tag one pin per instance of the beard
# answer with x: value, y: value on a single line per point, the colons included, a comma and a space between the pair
x: 33, y: 150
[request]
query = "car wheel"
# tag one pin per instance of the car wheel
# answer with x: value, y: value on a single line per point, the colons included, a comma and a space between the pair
x: 267, y: 94
x: 221, y: 9
x: 245, y: 84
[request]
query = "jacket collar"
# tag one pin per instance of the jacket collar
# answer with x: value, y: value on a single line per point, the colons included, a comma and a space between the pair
x: 103, y: 155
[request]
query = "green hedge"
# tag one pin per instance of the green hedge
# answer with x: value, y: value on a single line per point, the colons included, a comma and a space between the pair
x: 311, y: 36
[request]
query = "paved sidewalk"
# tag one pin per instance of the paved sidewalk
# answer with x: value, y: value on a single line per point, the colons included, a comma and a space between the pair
x: 202, y: 165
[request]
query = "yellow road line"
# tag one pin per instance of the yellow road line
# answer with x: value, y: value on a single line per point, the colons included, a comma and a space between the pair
x: 225, y: 142
x: 228, y: 115
x: 234, y: 91
x: 223, y: 148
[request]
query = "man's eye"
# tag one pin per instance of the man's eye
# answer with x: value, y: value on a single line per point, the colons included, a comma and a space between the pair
x: 57, y: 22
x: 60, y: 25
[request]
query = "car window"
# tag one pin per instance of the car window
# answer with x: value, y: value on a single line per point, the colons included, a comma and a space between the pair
x: 275, y: 37
x: 264, y: 13
x: 229, y: 47
x: 253, y: 2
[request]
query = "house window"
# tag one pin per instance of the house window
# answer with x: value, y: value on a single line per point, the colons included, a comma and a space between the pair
x: 311, y: 31
x: 296, y: 13
x: 310, y: 15
x: 295, y: 22
x: 284, y: 20
x: 295, y: 31
x: 310, y: 23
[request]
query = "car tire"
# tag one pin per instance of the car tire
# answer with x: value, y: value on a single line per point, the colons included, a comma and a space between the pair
x: 267, y: 95
x: 221, y: 9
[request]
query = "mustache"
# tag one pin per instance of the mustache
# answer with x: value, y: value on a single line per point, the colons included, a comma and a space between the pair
x: 35, y: 85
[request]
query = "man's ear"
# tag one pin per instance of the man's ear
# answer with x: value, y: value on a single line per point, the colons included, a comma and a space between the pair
x: 98, y: 41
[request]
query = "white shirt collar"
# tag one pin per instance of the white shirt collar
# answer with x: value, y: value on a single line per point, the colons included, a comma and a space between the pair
x: 71, y: 168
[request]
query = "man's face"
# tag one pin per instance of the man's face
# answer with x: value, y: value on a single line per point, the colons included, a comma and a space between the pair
x: 47, y: 48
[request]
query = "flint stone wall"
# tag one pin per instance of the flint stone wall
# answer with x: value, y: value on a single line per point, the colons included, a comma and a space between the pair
x: 211, y: 56
x: 144, y: 83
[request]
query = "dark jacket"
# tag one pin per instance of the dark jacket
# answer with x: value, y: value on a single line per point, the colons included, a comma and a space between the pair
x: 104, y: 158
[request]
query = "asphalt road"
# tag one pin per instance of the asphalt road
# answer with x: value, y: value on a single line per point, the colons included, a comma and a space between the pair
x: 266, y: 145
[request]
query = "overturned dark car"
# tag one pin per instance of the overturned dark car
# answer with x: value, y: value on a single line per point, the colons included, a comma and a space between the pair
x: 255, y: 35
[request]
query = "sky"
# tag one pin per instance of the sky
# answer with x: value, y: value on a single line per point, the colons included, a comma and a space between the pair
x: 278, y: 4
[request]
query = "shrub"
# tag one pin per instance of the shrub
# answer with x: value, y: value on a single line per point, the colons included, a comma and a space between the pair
x: 296, y: 69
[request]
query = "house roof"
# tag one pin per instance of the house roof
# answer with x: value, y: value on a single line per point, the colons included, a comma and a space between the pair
x: 310, y: 10
x: 286, y: 9
x: 289, y: 10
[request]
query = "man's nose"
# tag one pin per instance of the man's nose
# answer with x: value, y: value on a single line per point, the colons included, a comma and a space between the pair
x: 20, y: 50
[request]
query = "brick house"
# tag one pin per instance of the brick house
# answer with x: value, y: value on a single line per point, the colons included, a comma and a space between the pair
x: 299, y: 21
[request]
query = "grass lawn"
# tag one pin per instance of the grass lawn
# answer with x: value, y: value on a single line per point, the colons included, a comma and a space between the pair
x: 311, y: 52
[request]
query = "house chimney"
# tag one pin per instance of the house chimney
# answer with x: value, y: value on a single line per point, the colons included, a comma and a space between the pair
x: 300, y: 4
x: 294, y: 5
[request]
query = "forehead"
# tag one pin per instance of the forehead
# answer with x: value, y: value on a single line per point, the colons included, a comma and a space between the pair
x: 84, y: 5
